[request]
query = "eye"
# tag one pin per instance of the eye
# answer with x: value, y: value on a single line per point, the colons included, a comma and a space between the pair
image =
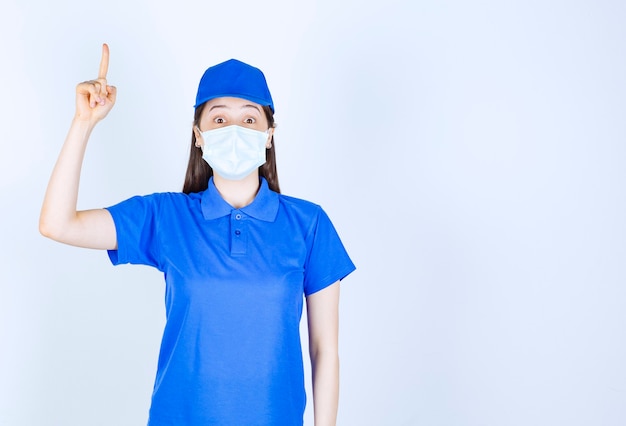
x: 249, y: 120
x: 219, y: 120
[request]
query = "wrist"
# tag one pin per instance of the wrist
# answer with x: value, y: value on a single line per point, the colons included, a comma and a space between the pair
x: 83, y: 123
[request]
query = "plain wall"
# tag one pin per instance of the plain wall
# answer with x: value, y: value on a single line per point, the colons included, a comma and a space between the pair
x: 471, y: 155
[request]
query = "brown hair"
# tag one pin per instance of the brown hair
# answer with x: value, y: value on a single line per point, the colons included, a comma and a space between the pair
x: 199, y: 171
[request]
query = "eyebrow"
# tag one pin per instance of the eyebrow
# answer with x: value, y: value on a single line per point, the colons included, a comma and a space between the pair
x: 244, y: 106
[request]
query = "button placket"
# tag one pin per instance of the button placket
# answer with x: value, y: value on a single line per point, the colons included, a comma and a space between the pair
x: 239, y: 236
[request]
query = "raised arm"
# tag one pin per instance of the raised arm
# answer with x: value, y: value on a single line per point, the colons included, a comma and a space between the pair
x: 59, y: 219
x: 323, y: 321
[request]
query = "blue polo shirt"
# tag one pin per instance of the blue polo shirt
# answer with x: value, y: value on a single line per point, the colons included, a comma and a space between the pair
x: 235, y: 281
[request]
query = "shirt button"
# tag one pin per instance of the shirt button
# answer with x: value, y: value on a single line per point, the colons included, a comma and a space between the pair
x: 237, y: 232
x: 238, y: 216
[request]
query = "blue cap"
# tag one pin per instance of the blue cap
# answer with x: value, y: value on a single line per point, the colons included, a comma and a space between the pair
x: 235, y: 79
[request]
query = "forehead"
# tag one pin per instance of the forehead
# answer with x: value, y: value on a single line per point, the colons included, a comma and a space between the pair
x: 230, y: 103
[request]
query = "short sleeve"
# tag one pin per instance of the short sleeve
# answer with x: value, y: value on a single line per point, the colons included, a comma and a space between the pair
x: 327, y: 259
x: 136, y: 229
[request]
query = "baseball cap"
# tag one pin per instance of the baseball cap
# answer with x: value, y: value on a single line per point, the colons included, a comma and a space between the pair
x: 236, y: 79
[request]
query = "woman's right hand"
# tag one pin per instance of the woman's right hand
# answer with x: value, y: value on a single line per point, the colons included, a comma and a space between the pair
x: 95, y: 98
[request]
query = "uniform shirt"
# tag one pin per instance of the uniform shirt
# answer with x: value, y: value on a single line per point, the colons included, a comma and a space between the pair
x: 235, y: 280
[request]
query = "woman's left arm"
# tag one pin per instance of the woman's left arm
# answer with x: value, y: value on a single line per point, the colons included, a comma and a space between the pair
x: 323, y: 321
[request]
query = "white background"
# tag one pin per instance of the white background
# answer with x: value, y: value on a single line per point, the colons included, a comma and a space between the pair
x: 471, y: 155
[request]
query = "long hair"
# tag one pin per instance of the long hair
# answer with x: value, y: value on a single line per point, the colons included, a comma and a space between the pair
x: 199, y: 171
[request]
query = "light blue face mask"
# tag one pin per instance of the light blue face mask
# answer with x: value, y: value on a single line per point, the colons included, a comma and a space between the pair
x: 234, y: 151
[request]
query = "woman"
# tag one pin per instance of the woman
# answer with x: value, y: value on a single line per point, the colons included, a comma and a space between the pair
x: 237, y: 257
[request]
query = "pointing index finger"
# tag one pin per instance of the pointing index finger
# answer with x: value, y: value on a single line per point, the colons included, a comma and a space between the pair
x: 104, y: 62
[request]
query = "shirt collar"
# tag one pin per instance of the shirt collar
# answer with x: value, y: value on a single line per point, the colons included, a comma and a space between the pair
x: 263, y: 207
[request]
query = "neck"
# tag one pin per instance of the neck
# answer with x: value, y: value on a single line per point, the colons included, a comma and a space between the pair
x: 238, y: 193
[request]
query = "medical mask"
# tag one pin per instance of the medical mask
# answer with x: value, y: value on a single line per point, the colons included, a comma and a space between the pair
x: 234, y: 151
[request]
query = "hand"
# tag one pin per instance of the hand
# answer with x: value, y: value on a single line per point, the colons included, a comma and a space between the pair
x: 95, y: 98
